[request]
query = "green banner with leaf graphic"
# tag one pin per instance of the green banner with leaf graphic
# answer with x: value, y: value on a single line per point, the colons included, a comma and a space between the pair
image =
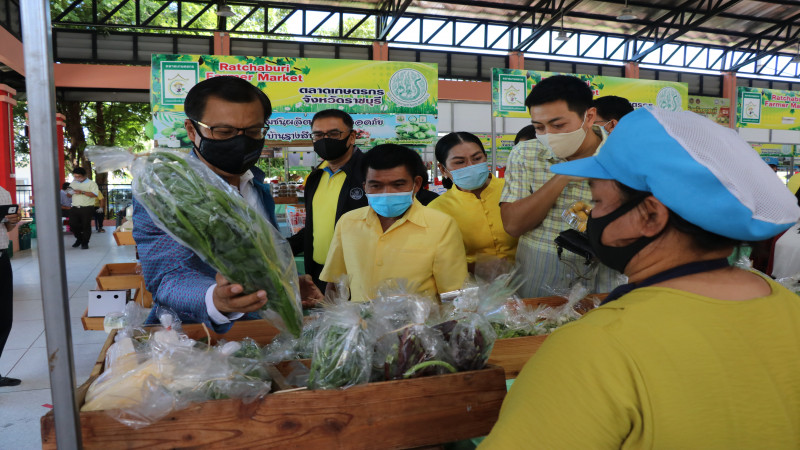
x: 305, y: 84
x: 395, y: 101
x: 768, y: 108
x: 510, y: 87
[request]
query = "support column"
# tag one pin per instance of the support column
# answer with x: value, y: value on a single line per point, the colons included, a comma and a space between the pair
x: 380, y: 51
x: 516, y: 60
x: 222, y: 43
x: 60, y: 118
x: 7, y: 176
x: 631, y: 69
x: 729, y: 91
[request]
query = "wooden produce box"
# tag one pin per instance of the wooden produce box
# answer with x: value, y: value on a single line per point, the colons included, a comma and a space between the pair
x: 386, y: 415
x: 285, y: 200
x: 119, y: 276
x: 124, y: 238
x: 512, y: 354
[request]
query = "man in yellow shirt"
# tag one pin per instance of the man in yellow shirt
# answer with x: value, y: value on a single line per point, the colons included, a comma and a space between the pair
x: 332, y: 189
x: 82, y: 211
x: 395, y: 237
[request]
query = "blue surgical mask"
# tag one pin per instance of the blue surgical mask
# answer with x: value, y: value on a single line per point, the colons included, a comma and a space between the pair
x: 470, y: 177
x: 391, y: 205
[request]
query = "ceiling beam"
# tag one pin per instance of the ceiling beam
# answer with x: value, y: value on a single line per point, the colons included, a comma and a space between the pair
x: 397, y: 10
x: 539, y: 32
x: 713, y: 10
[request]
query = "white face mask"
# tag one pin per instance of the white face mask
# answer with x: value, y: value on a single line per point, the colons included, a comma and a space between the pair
x: 563, y: 145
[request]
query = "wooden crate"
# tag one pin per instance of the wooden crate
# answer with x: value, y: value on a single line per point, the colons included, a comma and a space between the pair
x: 124, y: 238
x: 119, y: 276
x: 512, y: 354
x: 385, y: 415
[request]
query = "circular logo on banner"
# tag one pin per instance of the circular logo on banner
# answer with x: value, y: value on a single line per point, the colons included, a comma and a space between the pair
x: 408, y: 87
x: 669, y: 98
x: 356, y: 193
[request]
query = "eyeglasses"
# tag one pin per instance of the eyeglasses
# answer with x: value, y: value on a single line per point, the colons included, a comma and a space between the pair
x: 333, y: 134
x: 225, y: 132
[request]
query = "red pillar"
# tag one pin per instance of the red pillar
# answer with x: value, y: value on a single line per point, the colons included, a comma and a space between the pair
x: 729, y: 91
x: 631, y: 69
x: 7, y: 175
x: 60, y: 118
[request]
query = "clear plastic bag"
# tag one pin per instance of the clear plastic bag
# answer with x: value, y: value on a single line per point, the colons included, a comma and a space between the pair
x: 469, y: 339
x: 169, y: 371
x: 577, y: 215
x: 343, y: 346
x: 413, y: 351
x: 206, y: 214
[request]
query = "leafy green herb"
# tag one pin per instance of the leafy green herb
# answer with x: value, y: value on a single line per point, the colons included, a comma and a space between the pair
x: 222, y: 229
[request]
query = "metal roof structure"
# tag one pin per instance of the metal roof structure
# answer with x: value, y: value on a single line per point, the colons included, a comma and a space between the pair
x: 756, y: 38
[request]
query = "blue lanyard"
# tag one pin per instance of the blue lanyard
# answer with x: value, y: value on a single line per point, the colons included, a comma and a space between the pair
x: 676, y: 272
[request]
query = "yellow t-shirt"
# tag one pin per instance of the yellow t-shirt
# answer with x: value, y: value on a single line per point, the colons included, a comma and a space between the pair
x: 662, y: 368
x: 86, y: 186
x: 325, y: 201
x: 98, y: 199
x: 479, y: 220
x: 424, y: 247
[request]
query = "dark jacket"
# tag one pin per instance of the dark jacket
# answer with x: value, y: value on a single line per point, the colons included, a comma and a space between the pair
x: 351, y: 197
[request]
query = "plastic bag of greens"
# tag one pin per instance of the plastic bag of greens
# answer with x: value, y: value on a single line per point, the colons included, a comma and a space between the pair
x: 342, y: 354
x: 413, y: 351
x: 469, y: 339
x: 206, y: 214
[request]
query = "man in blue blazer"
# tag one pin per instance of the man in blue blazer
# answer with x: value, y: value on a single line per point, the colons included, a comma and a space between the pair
x: 227, y: 124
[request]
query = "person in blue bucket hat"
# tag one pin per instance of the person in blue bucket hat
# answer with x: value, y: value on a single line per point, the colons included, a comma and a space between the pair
x: 692, y: 352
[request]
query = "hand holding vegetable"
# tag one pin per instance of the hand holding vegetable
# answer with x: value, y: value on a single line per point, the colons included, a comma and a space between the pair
x: 228, y: 297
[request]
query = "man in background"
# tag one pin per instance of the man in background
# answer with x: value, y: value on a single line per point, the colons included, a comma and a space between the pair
x: 335, y: 187
x: 6, y: 281
x: 82, y: 210
x: 610, y: 109
x: 66, y: 200
x: 534, y: 199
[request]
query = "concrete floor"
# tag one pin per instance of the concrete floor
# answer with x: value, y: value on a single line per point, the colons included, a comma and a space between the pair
x: 24, y: 356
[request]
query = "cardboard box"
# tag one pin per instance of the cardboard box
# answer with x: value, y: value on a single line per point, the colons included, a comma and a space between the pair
x: 124, y: 238
x: 119, y: 276
x: 104, y: 302
x: 384, y: 415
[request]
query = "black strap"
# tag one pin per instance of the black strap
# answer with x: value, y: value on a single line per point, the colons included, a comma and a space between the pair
x: 676, y: 272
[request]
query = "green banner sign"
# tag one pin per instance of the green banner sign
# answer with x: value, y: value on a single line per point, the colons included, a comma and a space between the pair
x: 768, y: 108
x: 715, y: 108
x: 394, y: 101
x: 510, y: 87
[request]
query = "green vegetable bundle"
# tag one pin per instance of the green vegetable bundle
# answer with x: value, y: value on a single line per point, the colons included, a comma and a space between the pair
x: 343, y: 348
x: 207, y: 215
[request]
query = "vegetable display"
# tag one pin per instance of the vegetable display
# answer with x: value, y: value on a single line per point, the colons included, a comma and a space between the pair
x: 205, y: 214
x: 419, y: 130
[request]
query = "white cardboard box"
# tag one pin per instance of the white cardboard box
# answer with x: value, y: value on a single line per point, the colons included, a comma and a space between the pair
x: 104, y: 302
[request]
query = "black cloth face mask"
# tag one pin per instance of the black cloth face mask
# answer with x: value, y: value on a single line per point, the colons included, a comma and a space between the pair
x: 616, y: 258
x: 236, y: 155
x: 331, y: 149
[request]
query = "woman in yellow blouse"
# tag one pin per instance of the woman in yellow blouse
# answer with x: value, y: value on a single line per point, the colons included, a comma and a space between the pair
x: 473, y: 197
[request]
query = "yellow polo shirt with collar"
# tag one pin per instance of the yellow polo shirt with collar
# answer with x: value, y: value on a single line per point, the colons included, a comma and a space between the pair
x: 479, y: 220
x: 324, y: 204
x: 424, y: 247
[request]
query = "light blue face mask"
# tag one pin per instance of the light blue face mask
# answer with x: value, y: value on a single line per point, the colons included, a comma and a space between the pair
x: 470, y: 177
x: 391, y: 205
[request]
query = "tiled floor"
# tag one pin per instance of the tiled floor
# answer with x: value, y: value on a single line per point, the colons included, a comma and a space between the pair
x: 25, y: 354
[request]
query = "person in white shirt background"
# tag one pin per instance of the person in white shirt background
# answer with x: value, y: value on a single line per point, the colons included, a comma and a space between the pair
x: 6, y: 282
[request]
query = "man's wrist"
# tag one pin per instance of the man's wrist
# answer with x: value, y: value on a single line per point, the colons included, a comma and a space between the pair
x: 216, y: 316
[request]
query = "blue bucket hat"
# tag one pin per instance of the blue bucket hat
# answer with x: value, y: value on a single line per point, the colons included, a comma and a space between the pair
x: 702, y: 171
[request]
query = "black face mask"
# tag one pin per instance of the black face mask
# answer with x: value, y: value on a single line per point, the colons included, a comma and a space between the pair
x: 235, y: 155
x: 331, y: 149
x: 616, y: 258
